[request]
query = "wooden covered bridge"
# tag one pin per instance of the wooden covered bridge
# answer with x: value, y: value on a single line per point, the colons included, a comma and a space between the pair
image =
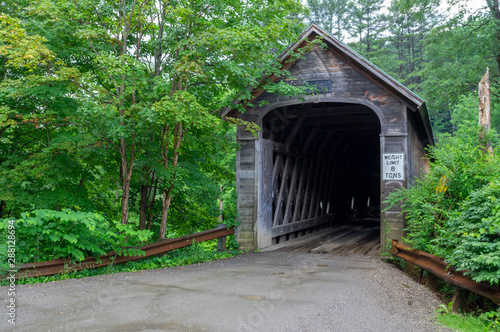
x: 330, y: 157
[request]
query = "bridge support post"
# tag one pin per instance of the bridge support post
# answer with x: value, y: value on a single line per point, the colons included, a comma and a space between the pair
x: 264, y: 162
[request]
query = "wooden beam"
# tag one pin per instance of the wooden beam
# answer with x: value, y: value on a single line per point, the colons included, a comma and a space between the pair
x: 306, y: 202
x: 280, y: 116
x: 326, y: 189
x: 330, y: 188
x: 330, y: 110
x: 291, y: 192
x: 360, y: 132
x: 295, y: 129
x: 310, y: 138
x: 300, y: 191
x: 277, y: 167
x: 314, y: 194
x: 283, y: 191
x: 341, y: 120
x: 299, y: 225
x: 335, y: 148
x: 325, y: 142
x: 321, y: 186
x: 356, y: 128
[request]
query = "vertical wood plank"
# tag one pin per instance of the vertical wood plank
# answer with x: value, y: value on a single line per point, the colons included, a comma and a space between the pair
x: 265, y: 199
x: 299, y: 199
x: 283, y: 191
x: 309, y: 184
x: 317, y: 177
x: 321, y: 185
x: 326, y: 187
x: 291, y: 192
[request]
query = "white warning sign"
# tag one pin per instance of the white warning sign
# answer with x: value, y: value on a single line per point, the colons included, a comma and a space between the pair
x: 393, y: 166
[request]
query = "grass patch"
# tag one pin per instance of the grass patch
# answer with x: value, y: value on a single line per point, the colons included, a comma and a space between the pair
x: 464, y: 322
x: 468, y: 322
x: 194, y: 254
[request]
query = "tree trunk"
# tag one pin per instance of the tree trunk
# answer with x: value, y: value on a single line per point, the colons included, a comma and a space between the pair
x: 125, y: 200
x: 3, y: 205
x: 485, y: 111
x: 143, y: 207
x: 148, y: 194
x: 126, y: 167
x: 221, y: 211
x: 150, y: 208
x: 167, y: 197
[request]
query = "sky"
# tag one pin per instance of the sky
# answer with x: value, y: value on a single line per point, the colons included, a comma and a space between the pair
x: 473, y: 5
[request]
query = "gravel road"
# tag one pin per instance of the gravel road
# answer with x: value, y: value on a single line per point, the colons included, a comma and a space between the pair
x: 272, y: 291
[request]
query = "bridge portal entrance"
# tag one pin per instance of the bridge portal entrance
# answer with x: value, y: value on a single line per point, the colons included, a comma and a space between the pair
x: 325, y: 168
x: 331, y: 156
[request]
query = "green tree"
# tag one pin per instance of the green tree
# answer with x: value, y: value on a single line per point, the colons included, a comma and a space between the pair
x: 408, y: 24
x: 457, y: 54
x: 366, y: 24
x: 37, y: 128
x: 148, y: 80
x: 494, y: 12
x: 331, y: 15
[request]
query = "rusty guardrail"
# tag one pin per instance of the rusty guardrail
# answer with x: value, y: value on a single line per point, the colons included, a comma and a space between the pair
x: 65, y: 265
x: 437, y: 266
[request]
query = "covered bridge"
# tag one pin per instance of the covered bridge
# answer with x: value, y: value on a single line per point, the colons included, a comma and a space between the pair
x: 331, y: 156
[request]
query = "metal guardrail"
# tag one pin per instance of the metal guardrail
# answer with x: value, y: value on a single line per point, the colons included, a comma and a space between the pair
x: 437, y: 266
x: 65, y: 265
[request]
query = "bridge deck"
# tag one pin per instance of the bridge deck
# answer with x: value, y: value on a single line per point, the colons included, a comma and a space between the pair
x: 360, y: 237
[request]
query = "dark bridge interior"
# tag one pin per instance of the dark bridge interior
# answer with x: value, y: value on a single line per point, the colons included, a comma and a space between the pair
x: 326, y: 167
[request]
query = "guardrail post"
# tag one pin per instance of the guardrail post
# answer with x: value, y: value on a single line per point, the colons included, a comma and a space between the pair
x: 459, y: 299
x: 221, y: 241
x: 432, y: 281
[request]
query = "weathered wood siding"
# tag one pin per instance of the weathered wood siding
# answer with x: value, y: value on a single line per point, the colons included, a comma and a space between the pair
x: 246, y: 188
x: 348, y: 85
x: 418, y: 163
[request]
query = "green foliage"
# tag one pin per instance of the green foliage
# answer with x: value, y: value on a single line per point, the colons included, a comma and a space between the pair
x: 473, y: 235
x: 331, y: 15
x: 453, y: 211
x: 457, y: 55
x: 19, y: 50
x: 464, y: 113
x: 37, y: 132
x: 93, y: 96
x: 492, y: 318
x: 468, y: 322
x: 43, y: 235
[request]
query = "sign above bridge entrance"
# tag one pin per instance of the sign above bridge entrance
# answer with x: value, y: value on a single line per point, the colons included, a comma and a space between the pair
x: 393, y: 166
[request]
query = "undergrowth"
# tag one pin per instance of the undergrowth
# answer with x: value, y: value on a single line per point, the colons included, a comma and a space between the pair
x: 454, y: 211
x: 468, y: 322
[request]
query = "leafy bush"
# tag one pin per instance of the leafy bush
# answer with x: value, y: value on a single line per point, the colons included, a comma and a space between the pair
x: 472, y: 242
x: 453, y: 211
x: 43, y: 235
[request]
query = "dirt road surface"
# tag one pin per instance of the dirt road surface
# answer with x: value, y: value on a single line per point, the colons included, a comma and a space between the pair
x: 271, y: 291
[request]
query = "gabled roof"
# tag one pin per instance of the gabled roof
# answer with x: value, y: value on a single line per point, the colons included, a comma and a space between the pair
x: 359, y: 63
